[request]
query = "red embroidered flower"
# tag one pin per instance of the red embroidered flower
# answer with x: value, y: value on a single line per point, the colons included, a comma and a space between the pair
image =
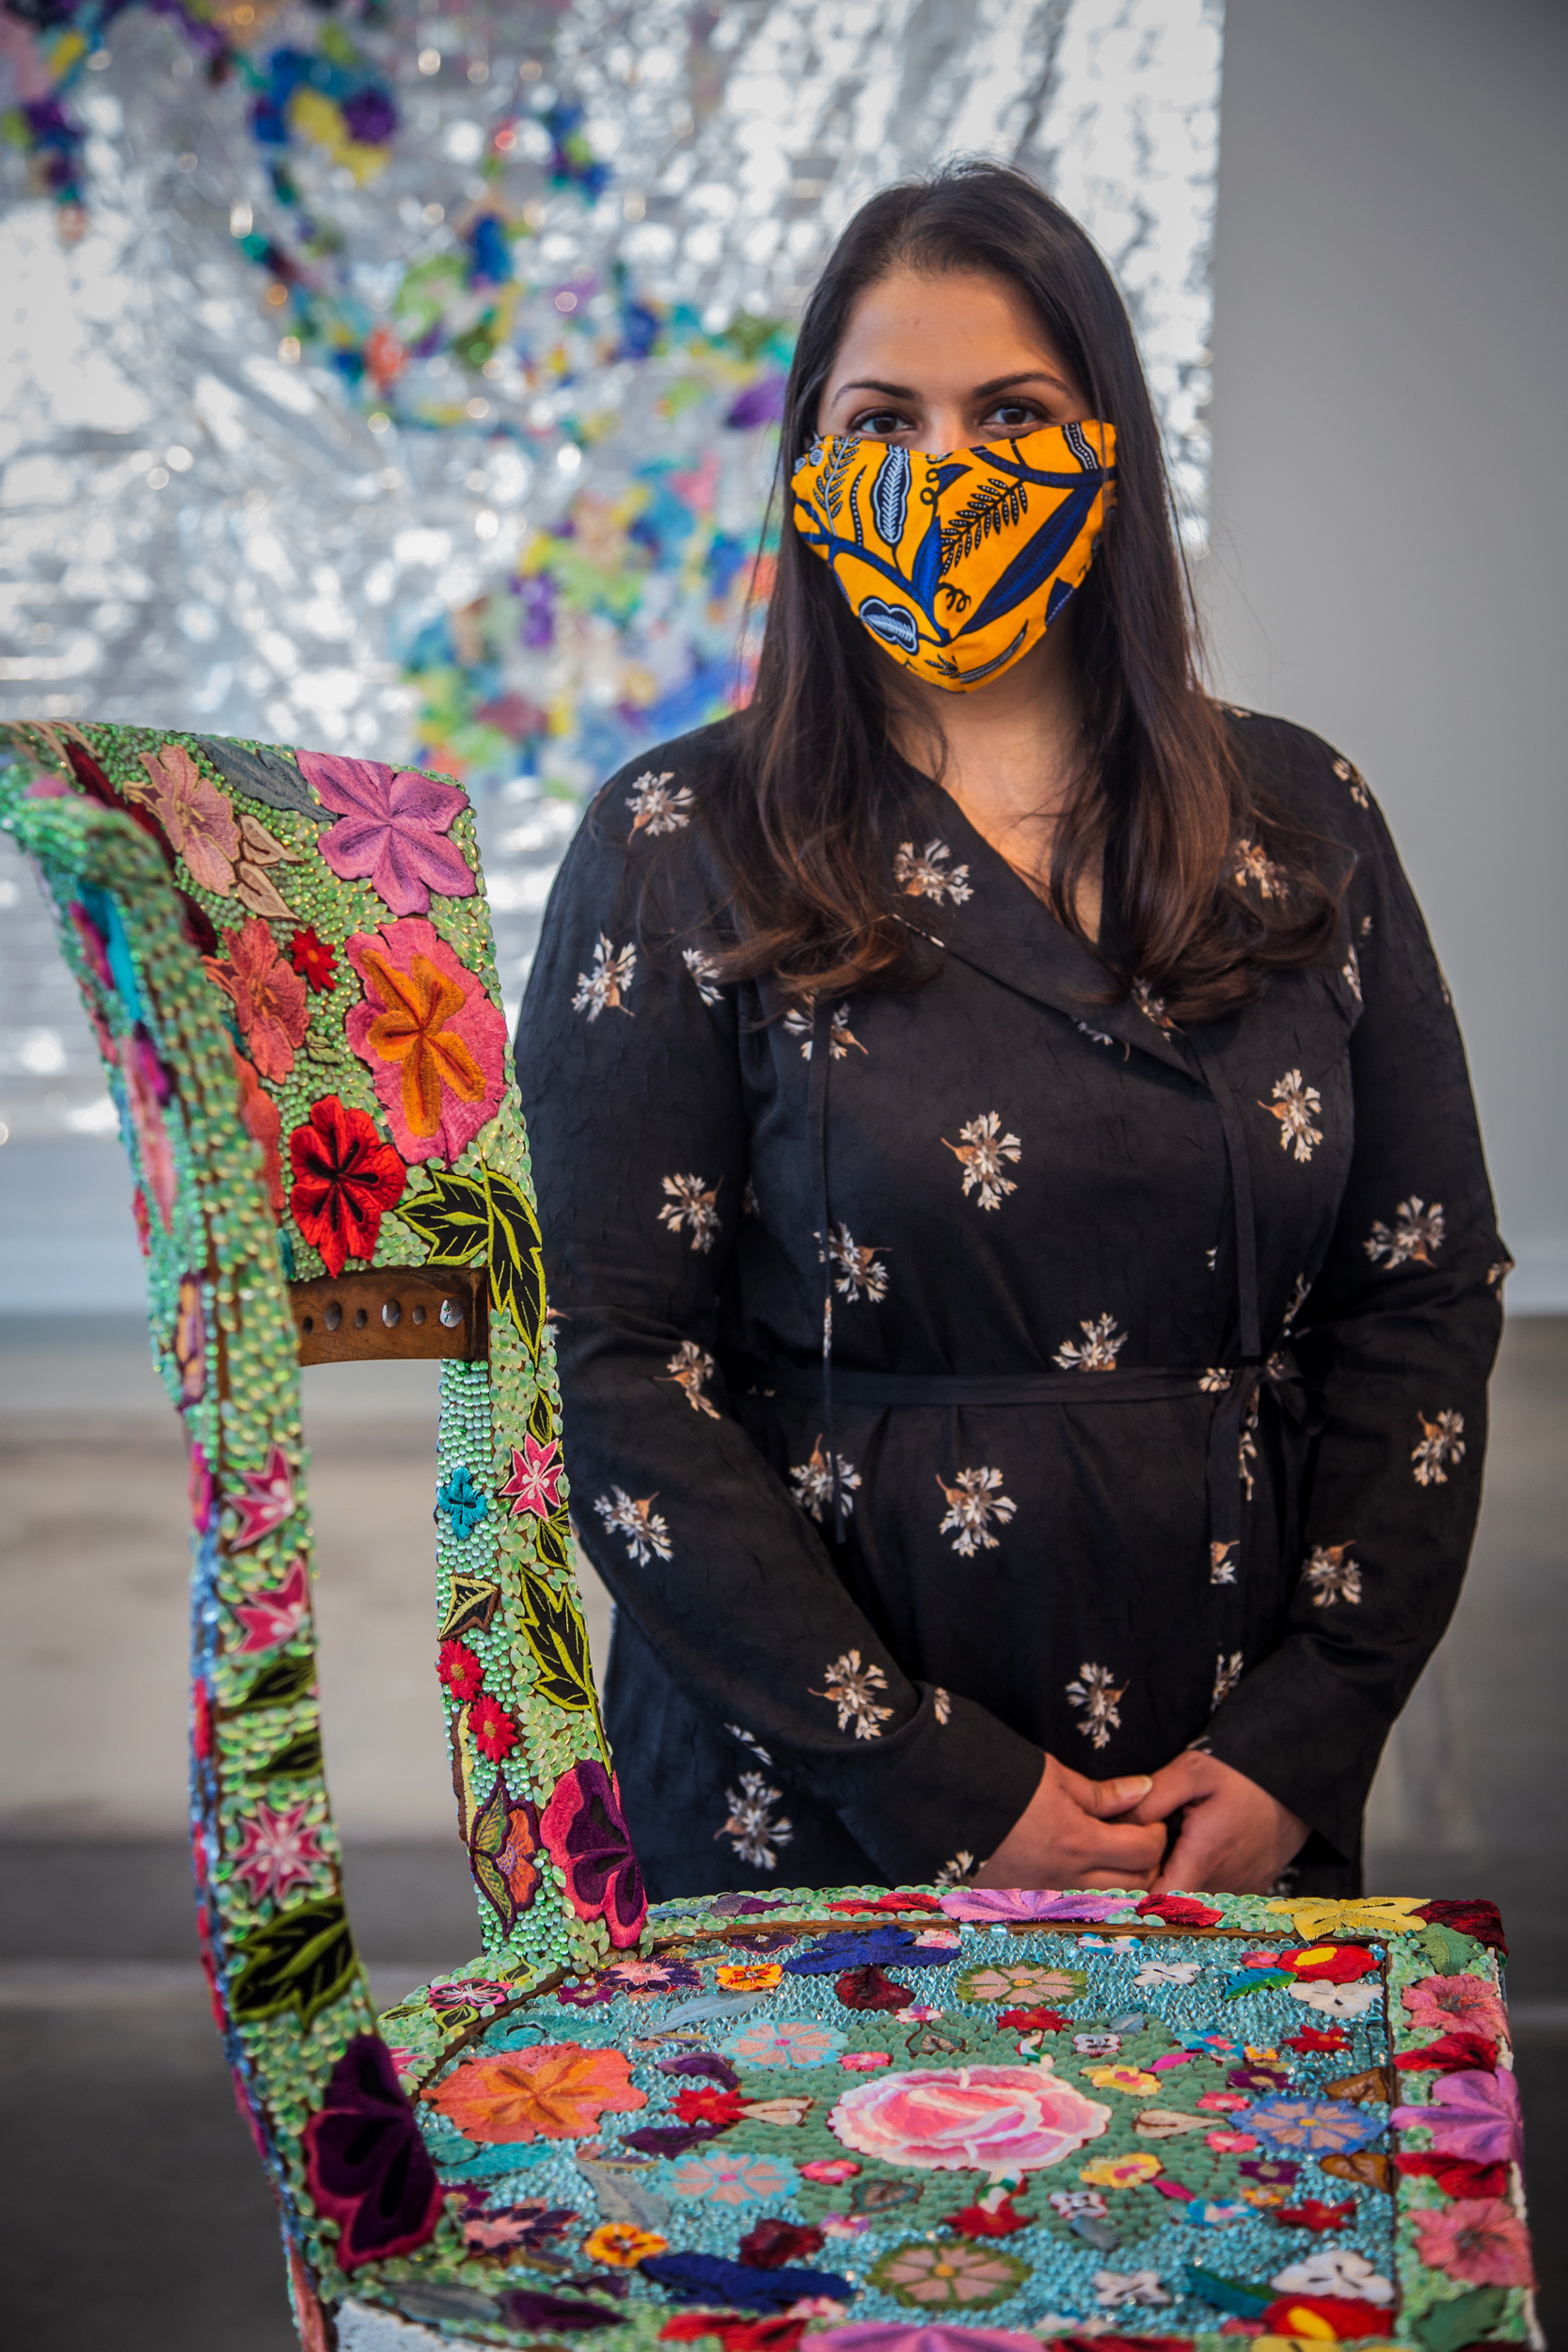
x: 1342, y: 2315
x: 1180, y: 1911
x: 1450, y: 2054
x: 998, y: 2220
x: 1313, y: 2214
x: 459, y: 1670
x: 1456, y: 2177
x: 721, y: 2107
x: 268, y: 1500
x: 1034, y: 2020
x: 1468, y: 1918
x: 734, y: 2335
x: 312, y: 959
x: 535, y: 1476
x: 1311, y: 2039
x: 345, y: 1178
x: 1329, y: 1963
x: 270, y: 1618
x: 495, y: 1733
x: 773, y: 2244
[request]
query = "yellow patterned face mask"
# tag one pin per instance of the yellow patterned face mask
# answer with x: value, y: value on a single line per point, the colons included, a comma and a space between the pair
x: 957, y: 564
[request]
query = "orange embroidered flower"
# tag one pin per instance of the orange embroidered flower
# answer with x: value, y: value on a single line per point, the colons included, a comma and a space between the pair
x: 432, y: 1039
x: 621, y: 2244
x: 756, y: 1977
x: 555, y: 2091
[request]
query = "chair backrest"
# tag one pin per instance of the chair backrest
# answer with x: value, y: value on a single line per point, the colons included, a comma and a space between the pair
x: 287, y: 962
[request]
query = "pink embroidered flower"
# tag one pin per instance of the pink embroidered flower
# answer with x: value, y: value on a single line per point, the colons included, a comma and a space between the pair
x: 433, y: 1041
x: 535, y: 1478
x: 1028, y: 1902
x: 830, y: 2170
x: 1480, y: 2240
x: 391, y: 830
x: 866, y: 2061
x: 278, y: 1850
x: 1468, y: 2002
x: 266, y: 1503
x: 198, y: 818
x: 732, y: 2180
x: 270, y: 1618
x: 998, y: 2119
x: 147, y: 1084
x: 1231, y: 2143
x: 783, y: 2041
x: 269, y: 998
x: 1472, y: 2115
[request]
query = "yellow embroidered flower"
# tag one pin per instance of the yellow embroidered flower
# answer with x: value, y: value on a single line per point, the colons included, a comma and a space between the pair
x: 1367, y: 1915
x: 1129, y: 2079
x: 753, y: 1976
x: 622, y: 2246
x: 1121, y: 2171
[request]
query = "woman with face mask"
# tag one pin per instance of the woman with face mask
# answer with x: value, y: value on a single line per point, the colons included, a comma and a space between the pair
x: 1025, y: 1272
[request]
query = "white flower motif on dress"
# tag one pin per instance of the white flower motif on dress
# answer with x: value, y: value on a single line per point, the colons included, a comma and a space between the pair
x: 972, y: 1504
x: 689, y: 1208
x: 797, y: 1023
x: 1103, y: 1342
x: 1253, y: 865
x: 749, y: 1740
x: 812, y: 1481
x: 1114, y: 2287
x: 654, y: 809
x: 754, y: 1832
x: 1227, y: 1672
x: 930, y: 876
x: 852, y: 1689
x: 1414, y: 1237
x: 1442, y: 1442
x: 955, y: 1872
x: 981, y: 1150
x: 1214, y: 1379
x: 1097, y: 1692
x: 1151, y: 1007
x: 643, y: 1527
x: 1212, y: 1256
x: 860, y: 1273
x: 1222, y: 1563
x: 603, y: 989
x: 1350, y: 972
x: 1333, y: 1574
x: 1295, y: 1105
x: 704, y: 972
x: 1298, y: 1299
x: 942, y: 1704
x: 1347, y: 775
x: 690, y: 1367
x: 1095, y: 1037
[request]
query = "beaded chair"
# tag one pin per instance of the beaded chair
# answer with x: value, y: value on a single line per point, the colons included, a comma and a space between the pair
x: 857, y: 2115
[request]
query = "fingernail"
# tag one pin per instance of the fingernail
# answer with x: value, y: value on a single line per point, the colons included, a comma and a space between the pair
x: 1138, y: 1785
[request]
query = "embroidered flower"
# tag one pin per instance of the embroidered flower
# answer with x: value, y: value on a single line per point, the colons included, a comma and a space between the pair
x: 365, y: 2160
x: 1215, y: 1379
x: 263, y: 1123
x: 643, y: 1529
x: 1480, y: 2240
x: 1295, y: 1105
x: 312, y: 960
x: 928, y: 874
x: 1337, y: 2000
x: 1129, y: 2171
x: 622, y: 2246
x: 981, y: 1151
x: 724, y: 2180
x: 1024, y: 1981
x: 603, y: 989
x: 785, y: 2041
x: 269, y: 998
x: 1473, y: 2115
x: 345, y: 1179
x: 586, y: 1833
x: 1414, y: 1237
x: 459, y: 1670
x: 198, y: 818
x: 535, y: 1481
x: 655, y: 810
x: 1097, y: 1693
x: 391, y: 831
x: 798, y: 1024
x: 1336, y: 2271
x: 853, y: 1688
x: 972, y: 1502
x: 266, y: 1501
x: 1441, y: 1443
x: 859, y: 1273
x: 755, y: 1834
x: 433, y: 1041
x: 495, y: 1733
x: 462, y: 1502
x: 1222, y: 1563
x: 148, y: 1088
x: 1350, y: 972
x: 704, y: 972
x: 994, y: 2119
x: 1332, y: 1574
x: 1312, y: 2126
x: 270, y: 1618
x: 1227, y: 1672
x: 1443, y: 2003
x: 1254, y: 866
x: 954, y: 1872
x: 1103, y: 1340
x: 556, y: 2090
x: 1151, y: 1007
x: 278, y: 1851
x: 957, y: 2275
x: 690, y: 1209
x: 812, y: 1481
x: 690, y: 1368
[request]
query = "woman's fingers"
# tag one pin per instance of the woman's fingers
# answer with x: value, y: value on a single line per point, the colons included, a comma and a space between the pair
x: 1105, y: 1799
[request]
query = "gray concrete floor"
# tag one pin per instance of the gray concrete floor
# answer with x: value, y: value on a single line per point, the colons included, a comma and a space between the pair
x: 138, y: 2215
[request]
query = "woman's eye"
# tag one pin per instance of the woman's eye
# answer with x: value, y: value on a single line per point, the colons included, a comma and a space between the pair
x: 1016, y: 416
x: 880, y: 424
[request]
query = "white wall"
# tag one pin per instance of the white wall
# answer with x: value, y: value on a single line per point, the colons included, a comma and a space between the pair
x: 1390, y: 488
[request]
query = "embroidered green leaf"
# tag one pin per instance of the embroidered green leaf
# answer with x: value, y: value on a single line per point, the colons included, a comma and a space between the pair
x: 1464, y: 2319
x: 552, y: 1541
x: 301, y: 1960
x: 277, y: 1685
x: 474, y: 1601
x: 490, y: 1821
x: 541, y: 1418
x: 492, y: 1885
x: 468, y: 1219
x: 491, y: 1829
x: 295, y: 1758
x: 558, y: 1639
x: 264, y: 773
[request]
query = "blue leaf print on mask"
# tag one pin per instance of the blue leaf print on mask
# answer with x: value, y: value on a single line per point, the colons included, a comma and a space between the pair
x: 890, y: 495
x: 893, y: 622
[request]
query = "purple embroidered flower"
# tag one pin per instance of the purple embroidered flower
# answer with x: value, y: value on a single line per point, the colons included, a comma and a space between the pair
x: 559, y: 2314
x: 366, y: 2162
x: 1026, y: 1903
x: 390, y: 831
x: 1475, y: 2116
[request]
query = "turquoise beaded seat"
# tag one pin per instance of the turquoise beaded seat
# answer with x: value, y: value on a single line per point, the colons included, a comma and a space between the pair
x: 871, y: 2117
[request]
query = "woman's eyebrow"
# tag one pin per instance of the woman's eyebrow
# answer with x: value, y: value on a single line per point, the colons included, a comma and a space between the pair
x: 981, y: 392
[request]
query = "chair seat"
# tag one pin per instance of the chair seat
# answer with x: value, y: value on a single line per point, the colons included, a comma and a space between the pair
x: 843, y: 2113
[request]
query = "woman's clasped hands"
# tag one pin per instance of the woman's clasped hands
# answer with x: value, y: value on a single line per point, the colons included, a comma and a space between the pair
x: 1197, y: 1824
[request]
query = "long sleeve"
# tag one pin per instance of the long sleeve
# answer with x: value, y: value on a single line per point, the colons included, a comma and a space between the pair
x: 630, y: 1061
x: 1398, y: 1339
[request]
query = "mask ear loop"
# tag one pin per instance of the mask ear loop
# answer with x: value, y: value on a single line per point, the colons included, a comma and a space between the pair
x: 816, y: 1121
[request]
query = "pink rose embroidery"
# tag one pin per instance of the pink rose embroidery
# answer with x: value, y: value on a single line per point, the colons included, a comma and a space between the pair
x: 994, y: 2119
x: 391, y: 831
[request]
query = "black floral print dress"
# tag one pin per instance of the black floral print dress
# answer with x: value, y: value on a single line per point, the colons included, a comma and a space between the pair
x: 1152, y: 1408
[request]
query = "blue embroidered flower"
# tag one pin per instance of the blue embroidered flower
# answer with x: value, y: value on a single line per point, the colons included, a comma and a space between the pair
x: 859, y: 1948
x: 462, y: 1502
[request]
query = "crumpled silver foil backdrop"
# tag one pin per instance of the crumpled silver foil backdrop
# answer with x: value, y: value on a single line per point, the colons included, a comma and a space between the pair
x: 522, y: 548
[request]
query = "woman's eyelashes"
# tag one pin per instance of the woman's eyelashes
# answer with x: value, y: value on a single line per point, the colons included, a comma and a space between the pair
x: 1005, y: 416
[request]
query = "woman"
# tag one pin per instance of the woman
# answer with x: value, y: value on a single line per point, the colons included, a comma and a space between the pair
x: 1086, y: 1513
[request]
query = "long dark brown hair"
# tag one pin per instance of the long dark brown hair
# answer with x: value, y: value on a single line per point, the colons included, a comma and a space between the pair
x: 1159, y: 804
